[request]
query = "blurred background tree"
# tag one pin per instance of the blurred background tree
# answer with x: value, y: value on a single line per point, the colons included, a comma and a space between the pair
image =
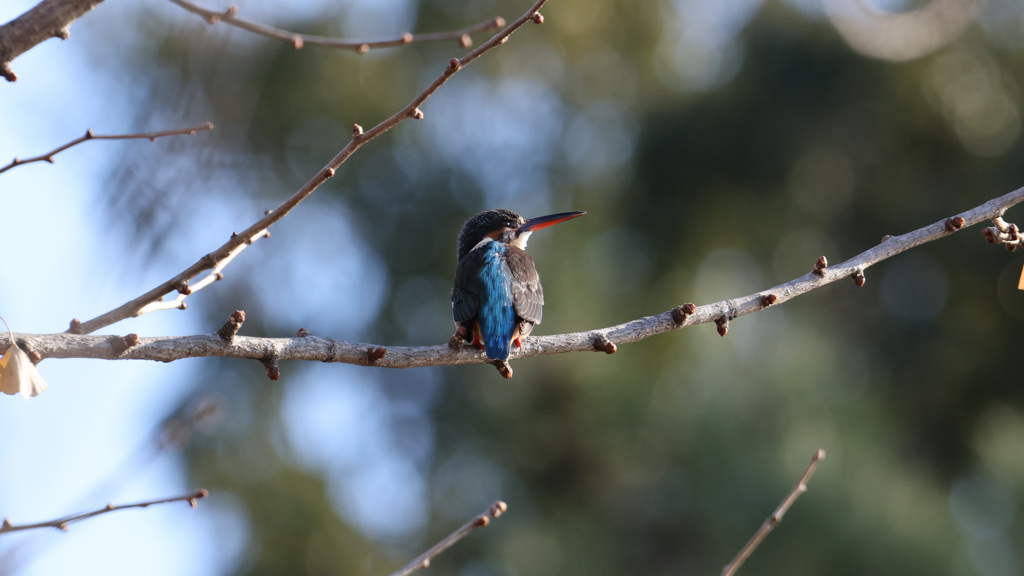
x: 719, y: 148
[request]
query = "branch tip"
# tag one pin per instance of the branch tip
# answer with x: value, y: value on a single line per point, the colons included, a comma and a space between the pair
x: 498, y: 508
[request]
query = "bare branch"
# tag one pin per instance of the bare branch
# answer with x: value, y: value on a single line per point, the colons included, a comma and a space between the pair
x: 310, y: 347
x: 298, y: 41
x: 62, y: 523
x: 48, y: 19
x: 359, y: 138
x: 423, y: 560
x: 151, y: 136
x: 775, y: 518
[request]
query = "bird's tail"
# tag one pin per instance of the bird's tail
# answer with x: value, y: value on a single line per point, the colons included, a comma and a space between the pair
x: 497, y: 330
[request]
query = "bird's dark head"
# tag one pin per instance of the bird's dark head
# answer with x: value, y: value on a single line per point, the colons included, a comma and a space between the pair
x: 492, y: 223
x: 505, y: 226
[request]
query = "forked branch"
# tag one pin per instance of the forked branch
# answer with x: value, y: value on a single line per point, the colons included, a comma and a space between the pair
x: 62, y: 523
x: 151, y: 136
x: 359, y: 138
x: 298, y: 41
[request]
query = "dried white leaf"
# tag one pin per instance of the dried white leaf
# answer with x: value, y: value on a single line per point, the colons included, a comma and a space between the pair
x: 18, y: 373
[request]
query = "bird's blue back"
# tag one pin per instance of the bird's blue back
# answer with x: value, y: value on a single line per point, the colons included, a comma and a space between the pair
x: 497, y: 315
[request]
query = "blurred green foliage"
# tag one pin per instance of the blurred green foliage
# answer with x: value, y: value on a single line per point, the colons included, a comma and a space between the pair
x: 713, y: 162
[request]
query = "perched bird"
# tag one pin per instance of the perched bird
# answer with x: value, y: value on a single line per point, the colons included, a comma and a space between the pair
x: 497, y: 297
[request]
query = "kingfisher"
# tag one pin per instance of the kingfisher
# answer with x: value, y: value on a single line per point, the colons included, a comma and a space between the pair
x: 497, y: 298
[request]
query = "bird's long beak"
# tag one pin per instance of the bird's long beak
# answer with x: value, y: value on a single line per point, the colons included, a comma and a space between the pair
x: 534, y: 224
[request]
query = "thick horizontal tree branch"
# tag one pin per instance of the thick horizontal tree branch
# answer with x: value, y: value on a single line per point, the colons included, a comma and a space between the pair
x: 62, y: 523
x: 48, y: 19
x: 359, y: 138
x: 151, y: 136
x: 310, y: 347
x: 230, y: 17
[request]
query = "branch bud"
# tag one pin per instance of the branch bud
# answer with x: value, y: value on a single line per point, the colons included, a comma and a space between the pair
x: 680, y: 314
x: 820, y: 266
x: 723, y: 326
x: 859, y: 279
x: 375, y: 354
x: 603, y: 344
x: 231, y: 326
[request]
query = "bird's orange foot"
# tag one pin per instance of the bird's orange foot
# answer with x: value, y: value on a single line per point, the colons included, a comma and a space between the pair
x: 518, y: 342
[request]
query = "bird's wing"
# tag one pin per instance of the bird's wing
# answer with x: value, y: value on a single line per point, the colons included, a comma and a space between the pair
x: 469, y: 287
x: 527, y: 295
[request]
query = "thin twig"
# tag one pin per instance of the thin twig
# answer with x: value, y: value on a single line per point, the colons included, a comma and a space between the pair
x: 230, y: 17
x: 423, y: 560
x: 151, y: 136
x: 359, y: 138
x: 62, y: 523
x: 309, y: 347
x: 776, y: 516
